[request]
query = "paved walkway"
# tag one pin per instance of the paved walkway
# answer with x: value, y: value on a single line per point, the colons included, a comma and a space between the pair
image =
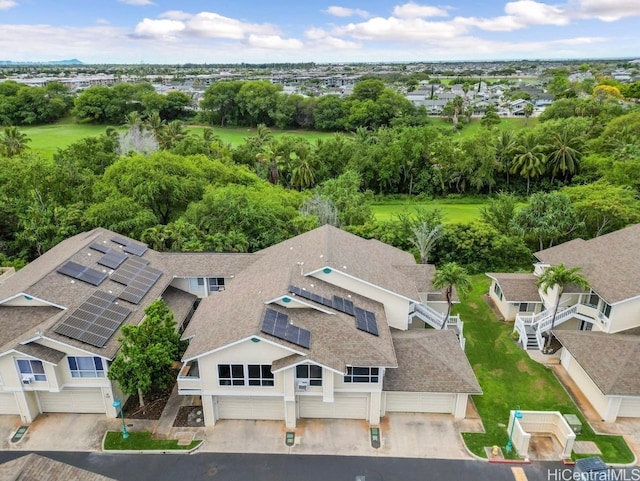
x: 165, y: 423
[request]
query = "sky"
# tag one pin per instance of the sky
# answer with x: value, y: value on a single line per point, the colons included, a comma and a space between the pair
x: 259, y: 31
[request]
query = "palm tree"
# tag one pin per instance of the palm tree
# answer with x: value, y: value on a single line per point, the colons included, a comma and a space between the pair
x: 458, y: 104
x: 565, y: 152
x: 425, y: 238
x: 269, y: 156
x: 155, y: 124
x: 133, y: 120
x: 561, y: 277
x: 13, y: 142
x: 172, y: 134
x: 529, y: 158
x: 447, y: 277
x: 505, y: 145
x: 303, y: 174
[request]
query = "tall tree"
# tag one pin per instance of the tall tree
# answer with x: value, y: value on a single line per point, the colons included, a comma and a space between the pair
x: 565, y: 152
x: 425, y: 238
x: 528, y: 112
x: 529, y: 158
x: 559, y: 276
x: 448, y: 277
x: 505, y: 145
x: 147, y: 353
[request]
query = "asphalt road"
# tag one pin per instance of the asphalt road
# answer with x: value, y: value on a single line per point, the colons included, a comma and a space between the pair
x: 255, y: 467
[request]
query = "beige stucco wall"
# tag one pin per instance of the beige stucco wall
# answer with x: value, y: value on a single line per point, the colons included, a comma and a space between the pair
x: 625, y: 315
x: 396, y: 307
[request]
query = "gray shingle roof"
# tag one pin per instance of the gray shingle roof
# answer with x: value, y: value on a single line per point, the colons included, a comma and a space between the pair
x: 34, y: 467
x: 237, y: 313
x: 41, y: 352
x: 180, y: 303
x: 17, y: 320
x: 517, y: 287
x: 430, y: 361
x: 610, y: 262
x: 612, y: 361
x: 206, y: 264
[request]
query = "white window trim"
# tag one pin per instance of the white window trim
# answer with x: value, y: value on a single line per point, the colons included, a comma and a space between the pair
x: 370, y: 375
x: 245, y: 376
x: 32, y: 373
x: 94, y: 371
x: 310, y: 379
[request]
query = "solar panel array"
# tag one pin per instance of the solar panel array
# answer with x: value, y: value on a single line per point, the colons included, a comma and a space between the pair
x: 140, y: 285
x: 82, y: 273
x: 277, y: 324
x: 112, y: 259
x: 129, y: 270
x: 338, y: 303
x: 366, y: 321
x: 95, y: 320
x: 130, y: 247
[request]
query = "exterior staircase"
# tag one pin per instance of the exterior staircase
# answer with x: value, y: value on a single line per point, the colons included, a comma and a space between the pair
x: 437, y: 320
x: 531, y: 327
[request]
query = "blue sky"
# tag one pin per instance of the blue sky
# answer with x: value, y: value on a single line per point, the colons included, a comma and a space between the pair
x: 227, y: 31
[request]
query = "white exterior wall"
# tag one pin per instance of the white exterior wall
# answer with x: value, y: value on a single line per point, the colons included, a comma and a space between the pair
x: 507, y: 310
x: 624, y: 315
x: 396, y: 307
x: 598, y: 400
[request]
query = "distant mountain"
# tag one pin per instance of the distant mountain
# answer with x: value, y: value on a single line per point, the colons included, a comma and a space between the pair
x: 73, y: 61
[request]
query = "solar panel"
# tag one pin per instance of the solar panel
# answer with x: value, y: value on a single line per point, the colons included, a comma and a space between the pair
x: 129, y: 270
x: 121, y: 240
x: 96, y: 246
x: 295, y: 290
x: 112, y: 258
x: 343, y: 305
x: 135, y: 249
x: 366, y: 321
x: 95, y: 320
x: 277, y: 324
x: 82, y: 273
x: 138, y: 287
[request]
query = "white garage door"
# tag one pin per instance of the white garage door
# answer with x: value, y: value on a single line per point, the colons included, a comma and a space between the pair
x: 629, y: 408
x: 232, y: 407
x: 419, y: 402
x: 72, y: 400
x: 342, y: 407
x: 8, y: 404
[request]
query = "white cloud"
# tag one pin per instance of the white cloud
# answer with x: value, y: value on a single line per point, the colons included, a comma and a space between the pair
x: 273, y: 42
x: 203, y: 24
x: 413, y: 10
x: 137, y: 3
x: 166, y: 29
x: 530, y: 12
x: 399, y: 29
x: 346, y: 12
x: 322, y: 39
x: 606, y: 10
x: 102, y: 21
x: 7, y: 4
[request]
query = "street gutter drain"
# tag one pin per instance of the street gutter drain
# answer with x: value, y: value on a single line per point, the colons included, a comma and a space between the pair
x: 19, y: 434
x: 375, y: 437
x: 290, y: 438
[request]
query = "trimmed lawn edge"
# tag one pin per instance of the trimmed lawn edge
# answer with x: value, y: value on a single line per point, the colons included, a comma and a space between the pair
x: 141, y: 442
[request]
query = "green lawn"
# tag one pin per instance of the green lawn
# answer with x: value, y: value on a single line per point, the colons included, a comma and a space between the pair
x: 139, y: 441
x: 459, y: 210
x: 236, y: 136
x: 47, y: 139
x: 509, y: 378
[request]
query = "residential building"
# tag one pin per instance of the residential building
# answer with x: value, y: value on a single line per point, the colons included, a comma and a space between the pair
x: 598, y: 328
x: 324, y: 325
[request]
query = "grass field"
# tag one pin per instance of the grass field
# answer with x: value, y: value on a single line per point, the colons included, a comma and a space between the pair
x: 509, y: 378
x: 462, y: 211
x: 235, y: 136
x: 47, y: 139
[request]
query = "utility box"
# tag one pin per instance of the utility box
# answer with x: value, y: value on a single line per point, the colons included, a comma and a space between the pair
x: 574, y: 422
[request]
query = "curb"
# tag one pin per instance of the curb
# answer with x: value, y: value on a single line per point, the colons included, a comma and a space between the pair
x: 149, y: 451
x: 509, y: 461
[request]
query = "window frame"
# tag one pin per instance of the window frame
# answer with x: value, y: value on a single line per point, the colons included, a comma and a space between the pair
x: 498, y: 291
x: 530, y: 307
x: 214, y: 284
x: 314, y: 380
x: 239, y: 375
x: 357, y: 375
x: 37, y: 376
x: 95, y: 373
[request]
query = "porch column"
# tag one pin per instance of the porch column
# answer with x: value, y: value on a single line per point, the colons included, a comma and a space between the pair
x: 375, y: 404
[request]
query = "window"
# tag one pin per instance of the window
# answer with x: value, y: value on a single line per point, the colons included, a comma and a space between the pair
x: 311, y: 373
x: 605, y: 309
x: 231, y: 374
x: 216, y: 283
x: 237, y: 375
x: 32, y: 368
x: 527, y: 307
x: 362, y: 374
x: 196, y: 284
x: 497, y: 290
x: 592, y: 299
x: 86, y: 366
x: 260, y: 375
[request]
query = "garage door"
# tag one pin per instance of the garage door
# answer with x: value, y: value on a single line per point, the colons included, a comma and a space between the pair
x: 231, y: 407
x: 342, y: 407
x: 71, y: 400
x: 8, y: 404
x: 419, y: 402
x: 629, y: 408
